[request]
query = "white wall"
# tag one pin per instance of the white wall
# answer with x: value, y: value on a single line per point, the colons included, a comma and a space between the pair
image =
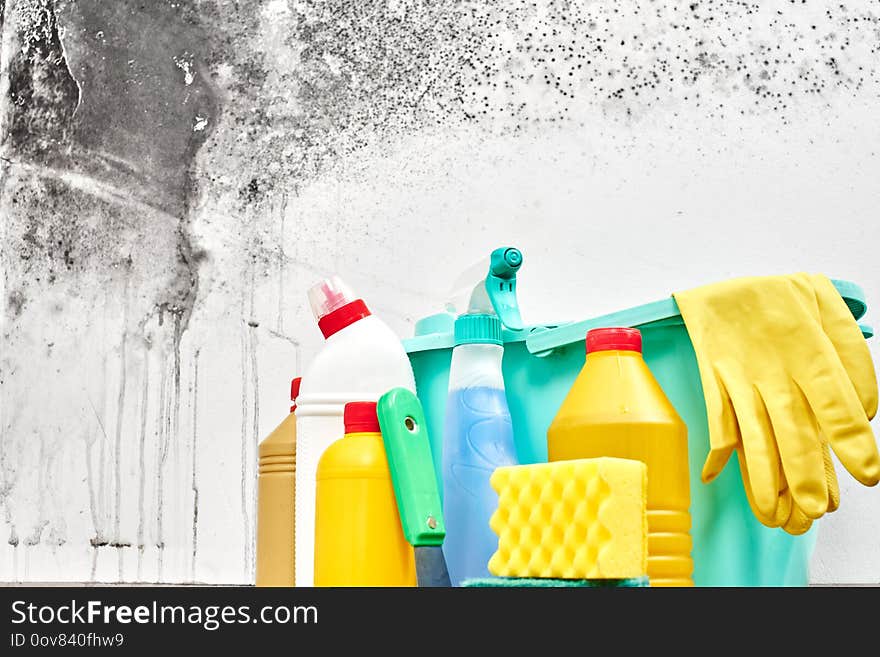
x: 624, y: 200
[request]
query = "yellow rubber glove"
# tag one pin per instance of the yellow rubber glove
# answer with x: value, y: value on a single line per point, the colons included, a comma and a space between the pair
x: 786, y: 375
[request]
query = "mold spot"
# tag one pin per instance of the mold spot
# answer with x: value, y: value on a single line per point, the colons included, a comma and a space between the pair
x: 15, y: 303
x: 251, y: 192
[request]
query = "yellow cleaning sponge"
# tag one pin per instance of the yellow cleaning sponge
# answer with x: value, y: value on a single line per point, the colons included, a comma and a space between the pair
x: 580, y: 519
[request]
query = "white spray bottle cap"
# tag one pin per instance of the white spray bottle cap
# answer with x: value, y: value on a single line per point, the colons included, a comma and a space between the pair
x: 468, y: 293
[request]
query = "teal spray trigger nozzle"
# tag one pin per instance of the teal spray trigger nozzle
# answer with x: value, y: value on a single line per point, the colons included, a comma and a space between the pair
x: 505, y: 262
x: 501, y: 285
x: 489, y: 287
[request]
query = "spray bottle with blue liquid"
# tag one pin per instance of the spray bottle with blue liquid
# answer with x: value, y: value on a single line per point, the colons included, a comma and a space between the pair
x: 478, y: 433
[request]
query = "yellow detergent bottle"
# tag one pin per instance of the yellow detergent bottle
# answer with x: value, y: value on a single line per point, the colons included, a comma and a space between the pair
x: 358, y: 537
x: 617, y: 408
x: 276, y: 486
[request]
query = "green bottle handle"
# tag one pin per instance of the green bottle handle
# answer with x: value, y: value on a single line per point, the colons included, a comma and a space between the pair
x: 405, y: 435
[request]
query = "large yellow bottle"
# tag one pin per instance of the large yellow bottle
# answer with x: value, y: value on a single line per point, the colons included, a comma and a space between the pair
x: 358, y: 537
x: 276, y: 486
x: 617, y: 408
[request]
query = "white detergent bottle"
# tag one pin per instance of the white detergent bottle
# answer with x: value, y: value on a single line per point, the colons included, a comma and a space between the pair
x: 362, y: 359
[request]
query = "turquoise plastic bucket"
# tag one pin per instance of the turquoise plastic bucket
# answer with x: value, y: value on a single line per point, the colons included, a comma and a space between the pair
x: 731, y: 548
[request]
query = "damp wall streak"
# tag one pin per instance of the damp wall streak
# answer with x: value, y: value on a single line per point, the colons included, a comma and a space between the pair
x: 174, y: 175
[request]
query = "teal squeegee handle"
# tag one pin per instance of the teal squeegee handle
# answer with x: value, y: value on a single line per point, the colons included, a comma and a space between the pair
x: 501, y: 285
x: 405, y: 435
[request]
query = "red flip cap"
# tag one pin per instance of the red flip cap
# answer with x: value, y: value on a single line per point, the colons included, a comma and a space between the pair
x: 337, y: 320
x: 361, y: 417
x: 614, y: 339
x: 294, y: 392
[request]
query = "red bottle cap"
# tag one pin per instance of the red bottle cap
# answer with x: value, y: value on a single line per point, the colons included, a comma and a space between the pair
x: 614, y: 339
x: 338, y: 319
x: 360, y: 417
x: 294, y: 392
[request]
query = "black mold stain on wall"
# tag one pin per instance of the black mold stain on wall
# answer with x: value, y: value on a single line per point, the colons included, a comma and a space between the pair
x: 106, y: 107
x: 42, y: 91
x: 322, y: 79
x: 356, y: 74
x: 521, y: 62
x: 119, y: 97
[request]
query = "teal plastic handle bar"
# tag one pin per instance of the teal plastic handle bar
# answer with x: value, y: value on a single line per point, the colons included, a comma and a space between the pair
x: 501, y: 285
x: 542, y: 341
x: 408, y: 448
